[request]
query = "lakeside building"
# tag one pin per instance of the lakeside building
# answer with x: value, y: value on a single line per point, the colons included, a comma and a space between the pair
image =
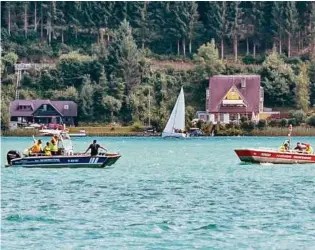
x: 231, y: 97
x: 43, y: 112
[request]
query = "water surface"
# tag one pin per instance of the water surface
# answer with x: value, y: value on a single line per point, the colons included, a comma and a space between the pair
x: 161, y: 194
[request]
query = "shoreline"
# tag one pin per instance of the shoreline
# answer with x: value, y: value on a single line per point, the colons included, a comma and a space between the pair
x: 124, y: 132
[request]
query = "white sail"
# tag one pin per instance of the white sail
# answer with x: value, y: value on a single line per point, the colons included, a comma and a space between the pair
x: 177, y: 118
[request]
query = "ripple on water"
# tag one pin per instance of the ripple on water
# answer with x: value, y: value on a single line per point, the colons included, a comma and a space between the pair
x: 162, y: 194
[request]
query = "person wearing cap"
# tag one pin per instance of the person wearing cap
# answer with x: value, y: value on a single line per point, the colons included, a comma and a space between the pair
x: 37, y: 147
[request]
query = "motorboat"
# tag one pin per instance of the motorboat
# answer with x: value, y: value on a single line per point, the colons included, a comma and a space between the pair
x: 80, y: 134
x: 274, y: 156
x: 175, y: 126
x: 65, y: 157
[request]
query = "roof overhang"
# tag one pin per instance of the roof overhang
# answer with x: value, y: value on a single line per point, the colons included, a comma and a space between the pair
x: 233, y: 102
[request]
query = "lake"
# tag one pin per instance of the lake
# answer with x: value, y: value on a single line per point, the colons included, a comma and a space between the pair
x: 161, y: 194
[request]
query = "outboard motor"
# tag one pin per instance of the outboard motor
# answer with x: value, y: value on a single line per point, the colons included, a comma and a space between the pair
x: 13, y: 154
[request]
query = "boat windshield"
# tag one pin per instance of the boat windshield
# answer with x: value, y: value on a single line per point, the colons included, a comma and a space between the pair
x: 65, y: 142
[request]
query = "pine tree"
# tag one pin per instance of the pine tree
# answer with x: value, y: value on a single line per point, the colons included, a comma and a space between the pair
x: 124, y: 56
x: 236, y: 26
x: 290, y: 22
x: 217, y: 22
x: 278, y: 24
x: 256, y: 20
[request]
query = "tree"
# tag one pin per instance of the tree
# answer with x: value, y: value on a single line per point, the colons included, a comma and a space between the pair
x: 277, y: 25
x: 112, y: 104
x: 217, y: 22
x: 278, y: 80
x: 312, y: 82
x: 302, y: 89
x: 290, y: 22
x: 256, y: 21
x: 207, y: 60
x: 124, y: 57
x: 236, y: 26
x: 86, y: 96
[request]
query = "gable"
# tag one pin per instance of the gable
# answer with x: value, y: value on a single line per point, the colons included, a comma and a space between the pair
x: 233, y: 94
x: 233, y: 98
x: 46, y: 110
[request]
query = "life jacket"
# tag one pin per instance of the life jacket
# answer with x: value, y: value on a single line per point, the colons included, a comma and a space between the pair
x: 53, y: 145
x: 282, y: 148
x: 309, y: 149
x: 36, y: 148
x: 47, y: 150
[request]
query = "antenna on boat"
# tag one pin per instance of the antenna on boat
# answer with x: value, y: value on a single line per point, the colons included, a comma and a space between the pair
x: 289, y: 135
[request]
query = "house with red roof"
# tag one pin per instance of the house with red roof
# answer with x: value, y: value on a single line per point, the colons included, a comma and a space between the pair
x: 43, y: 111
x: 230, y: 97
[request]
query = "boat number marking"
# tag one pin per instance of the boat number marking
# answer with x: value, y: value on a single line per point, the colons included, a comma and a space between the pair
x: 93, y: 160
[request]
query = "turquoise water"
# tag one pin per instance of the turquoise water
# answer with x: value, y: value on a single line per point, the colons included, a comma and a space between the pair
x: 162, y: 194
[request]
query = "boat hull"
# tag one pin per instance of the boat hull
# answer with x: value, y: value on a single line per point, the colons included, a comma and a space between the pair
x: 274, y: 156
x: 73, y: 161
x: 174, y: 135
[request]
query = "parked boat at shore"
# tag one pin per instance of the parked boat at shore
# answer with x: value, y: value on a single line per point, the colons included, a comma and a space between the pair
x: 65, y: 158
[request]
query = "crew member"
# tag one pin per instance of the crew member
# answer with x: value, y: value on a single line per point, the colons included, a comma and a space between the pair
x: 94, y: 148
x: 54, y: 145
x: 299, y: 147
x: 37, y: 147
x: 47, y: 149
x: 284, y: 147
x: 308, y: 148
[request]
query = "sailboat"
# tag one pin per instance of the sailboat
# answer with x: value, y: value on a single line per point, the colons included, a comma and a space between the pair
x: 175, y: 126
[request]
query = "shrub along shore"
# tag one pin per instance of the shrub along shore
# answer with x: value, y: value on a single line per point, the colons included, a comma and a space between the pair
x: 218, y: 131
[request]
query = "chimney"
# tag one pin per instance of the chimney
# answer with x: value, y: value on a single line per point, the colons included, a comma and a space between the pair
x: 243, y: 83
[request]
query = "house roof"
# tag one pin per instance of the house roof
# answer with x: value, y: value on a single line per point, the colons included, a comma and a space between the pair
x: 220, y: 85
x: 35, y: 104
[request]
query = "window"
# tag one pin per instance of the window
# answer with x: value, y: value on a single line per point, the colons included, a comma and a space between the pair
x: 45, y: 107
x: 66, y: 106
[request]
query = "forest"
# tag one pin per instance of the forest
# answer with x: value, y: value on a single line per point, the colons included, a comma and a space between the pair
x: 105, y: 55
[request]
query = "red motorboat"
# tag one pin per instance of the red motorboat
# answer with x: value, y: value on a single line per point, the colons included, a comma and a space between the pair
x: 274, y: 156
x: 283, y: 156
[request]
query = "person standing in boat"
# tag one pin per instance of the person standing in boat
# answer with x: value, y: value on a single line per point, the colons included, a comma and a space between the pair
x: 54, y: 145
x: 94, y: 148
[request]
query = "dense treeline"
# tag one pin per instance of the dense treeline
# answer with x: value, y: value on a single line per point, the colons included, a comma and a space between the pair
x: 165, y: 27
x: 100, y: 53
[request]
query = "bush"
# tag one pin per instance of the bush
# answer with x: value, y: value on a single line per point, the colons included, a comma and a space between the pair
x: 311, y: 121
x: 249, y: 59
x: 248, y: 125
x: 298, y: 115
x: 283, y: 123
x: 293, y: 122
x: 137, y: 127
x: 261, y: 124
x: 273, y: 123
